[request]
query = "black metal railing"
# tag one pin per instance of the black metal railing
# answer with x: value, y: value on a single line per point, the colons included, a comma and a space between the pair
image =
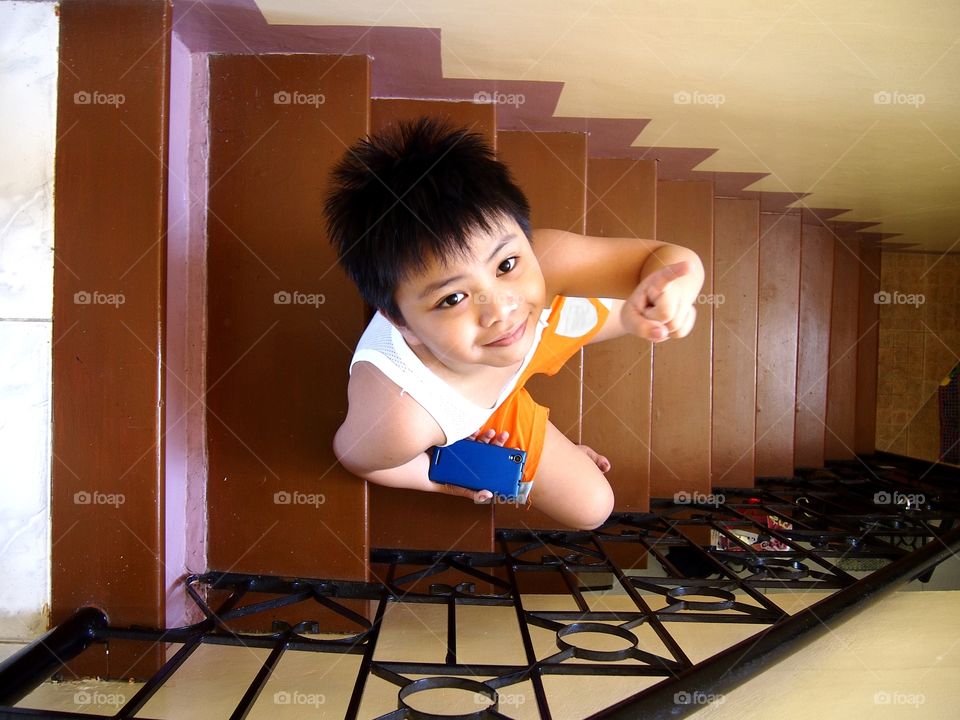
x: 801, y: 533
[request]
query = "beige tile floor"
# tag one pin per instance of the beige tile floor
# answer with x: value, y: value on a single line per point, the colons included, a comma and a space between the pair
x: 900, y: 658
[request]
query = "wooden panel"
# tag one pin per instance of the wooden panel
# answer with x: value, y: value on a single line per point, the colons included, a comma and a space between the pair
x: 813, y: 344
x: 283, y: 320
x: 734, y: 302
x: 842, y: 375
x: 680, y: 438
x: 621, y: 202
x: 108, y: 325
x: 868, y: 331
x: 551, y: 170
x: 405, y: 518
x: 777, y: 322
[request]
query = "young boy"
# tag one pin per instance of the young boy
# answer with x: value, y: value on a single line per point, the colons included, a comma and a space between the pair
x: 470, y: 302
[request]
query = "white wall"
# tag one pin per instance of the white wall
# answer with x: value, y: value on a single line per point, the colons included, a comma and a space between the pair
x: 28, y: 110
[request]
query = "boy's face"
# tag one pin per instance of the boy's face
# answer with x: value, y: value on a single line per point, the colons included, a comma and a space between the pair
x: 495, y: 292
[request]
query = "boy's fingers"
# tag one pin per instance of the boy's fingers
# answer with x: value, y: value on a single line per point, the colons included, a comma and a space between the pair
x: 478, y: 496
x: 649, y: 329
x: 687, y: 325
x: 491, y: 437
x: 668, y: 273
x: 656, y: 282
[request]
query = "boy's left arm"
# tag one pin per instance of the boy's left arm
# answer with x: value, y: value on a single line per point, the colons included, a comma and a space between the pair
x: 657, y: 282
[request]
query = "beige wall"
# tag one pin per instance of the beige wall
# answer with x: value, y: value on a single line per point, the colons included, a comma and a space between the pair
x: 919, y: 344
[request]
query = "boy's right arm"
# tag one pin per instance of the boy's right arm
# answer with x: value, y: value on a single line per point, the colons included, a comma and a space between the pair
x: 386, y: 434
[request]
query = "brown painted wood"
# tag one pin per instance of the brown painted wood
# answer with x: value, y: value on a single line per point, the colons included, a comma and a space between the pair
x: 868, y: 332
x: 278, y: 500
x: 621, y: 202
x: 404, y: 518
x: 813, y: 344
x: 680, y: 437
x: 839, y: 438
x: 110, y: 218
x: 736, y: 272
x: 551, y: 170
x: 777, y: 327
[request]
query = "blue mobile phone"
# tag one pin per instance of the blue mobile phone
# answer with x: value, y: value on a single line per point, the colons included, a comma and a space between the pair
x: 480, y: 466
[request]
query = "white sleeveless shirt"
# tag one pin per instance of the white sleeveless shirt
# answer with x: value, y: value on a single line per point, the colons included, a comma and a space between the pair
x: 458, y: 417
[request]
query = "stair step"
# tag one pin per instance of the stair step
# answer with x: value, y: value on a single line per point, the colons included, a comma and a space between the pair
x: 778, y: 312
x: 621, y: 202
x: 273, y: 367
x: 682, y: 386
x: 813, y: 343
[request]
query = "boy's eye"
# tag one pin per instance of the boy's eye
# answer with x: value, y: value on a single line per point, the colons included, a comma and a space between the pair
x: 511, y: 262
x: 446, y: 301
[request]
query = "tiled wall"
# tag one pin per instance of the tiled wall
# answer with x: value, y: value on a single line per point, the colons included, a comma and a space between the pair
x: 919, y: 344
x: 28, y: 92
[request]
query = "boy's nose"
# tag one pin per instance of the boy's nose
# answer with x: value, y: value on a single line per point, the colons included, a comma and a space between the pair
x: 499, y: 307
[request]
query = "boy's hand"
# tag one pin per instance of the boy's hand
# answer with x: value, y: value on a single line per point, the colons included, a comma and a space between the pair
x: 661, y: 307
x: 491, y: 437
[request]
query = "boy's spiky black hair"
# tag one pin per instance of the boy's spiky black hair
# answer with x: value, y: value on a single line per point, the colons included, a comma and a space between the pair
x: 416, y: 191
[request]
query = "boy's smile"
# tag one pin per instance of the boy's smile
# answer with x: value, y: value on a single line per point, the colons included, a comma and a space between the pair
x: 478, y: 312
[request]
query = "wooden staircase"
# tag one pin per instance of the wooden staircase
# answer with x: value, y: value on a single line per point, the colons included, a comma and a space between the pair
x: 766, y: 382
x: 779, y: 373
